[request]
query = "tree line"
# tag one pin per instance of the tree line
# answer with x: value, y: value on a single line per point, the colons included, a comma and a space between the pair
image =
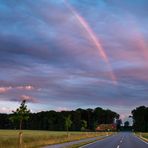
x: 75, y: 120
x: 79, y: 119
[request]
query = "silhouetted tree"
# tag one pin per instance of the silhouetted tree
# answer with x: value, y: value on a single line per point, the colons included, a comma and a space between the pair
x: 126, y: 123
x: 118, y: 124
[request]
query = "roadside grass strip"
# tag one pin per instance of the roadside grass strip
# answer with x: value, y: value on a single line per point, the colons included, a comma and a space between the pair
x: 142, y: 136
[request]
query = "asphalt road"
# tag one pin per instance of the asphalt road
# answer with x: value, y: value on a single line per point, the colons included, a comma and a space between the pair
x: 121, y: 140
x: 64, y: 145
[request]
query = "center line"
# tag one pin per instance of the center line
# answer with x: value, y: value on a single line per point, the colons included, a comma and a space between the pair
x: 118, y: 146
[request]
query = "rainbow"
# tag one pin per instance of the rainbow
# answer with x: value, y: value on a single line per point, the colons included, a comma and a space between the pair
x: 93, y: 38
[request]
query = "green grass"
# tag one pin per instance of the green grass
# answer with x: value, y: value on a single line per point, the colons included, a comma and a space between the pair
x: 35, y: 139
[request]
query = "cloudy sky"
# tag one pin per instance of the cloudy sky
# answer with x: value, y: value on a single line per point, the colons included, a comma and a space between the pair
x: 63, y: 55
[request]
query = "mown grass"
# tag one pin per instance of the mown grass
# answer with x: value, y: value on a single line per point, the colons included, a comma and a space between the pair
x: 144, y: 136
x: 36, y: 139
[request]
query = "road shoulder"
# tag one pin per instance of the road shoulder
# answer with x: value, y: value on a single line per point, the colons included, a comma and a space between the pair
x: 78, y: 143
x: 141, y: 138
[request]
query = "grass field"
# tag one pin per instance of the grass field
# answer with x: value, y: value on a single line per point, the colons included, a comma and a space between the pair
x: 36, y: 139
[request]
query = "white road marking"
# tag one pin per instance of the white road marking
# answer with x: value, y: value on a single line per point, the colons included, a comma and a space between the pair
x: 96, y: 141
x: 89, y: 144
x: 141, y: 140
x: 120, y: 141
x: 118, y: 146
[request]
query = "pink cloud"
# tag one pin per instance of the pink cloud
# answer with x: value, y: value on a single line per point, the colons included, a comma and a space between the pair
x: 8, y: 88
x: 5, y: 89
x: 27, y: 87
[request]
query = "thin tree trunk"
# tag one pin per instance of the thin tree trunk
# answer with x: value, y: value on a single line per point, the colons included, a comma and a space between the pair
x: 20, y: 135
x: 20, y: 145
x: 67, y: 133
x: 20, y: 125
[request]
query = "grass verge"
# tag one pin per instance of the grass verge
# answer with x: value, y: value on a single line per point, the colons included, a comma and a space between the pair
x: 36, y: 139
x: 143, y: 136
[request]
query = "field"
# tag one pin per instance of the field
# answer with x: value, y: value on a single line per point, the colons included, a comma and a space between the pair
x: 36, y: 139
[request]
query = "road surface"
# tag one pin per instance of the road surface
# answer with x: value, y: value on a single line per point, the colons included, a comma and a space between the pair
x: 121, y: 140
x: 64, y: 145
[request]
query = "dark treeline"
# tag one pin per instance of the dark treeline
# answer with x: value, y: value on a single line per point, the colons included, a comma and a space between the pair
x: 140, y: 117
x: 55, y: 121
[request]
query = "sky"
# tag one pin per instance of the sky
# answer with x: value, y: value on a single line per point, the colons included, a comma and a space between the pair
x: 69, y: 54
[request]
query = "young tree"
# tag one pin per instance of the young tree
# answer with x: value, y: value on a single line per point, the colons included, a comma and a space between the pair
x: 68, y: 123
x: 84, y: 125
x: 21, y: 114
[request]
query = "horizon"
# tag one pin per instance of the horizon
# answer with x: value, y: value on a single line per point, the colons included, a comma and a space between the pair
x: 122, y: 117
x: 68, y: 54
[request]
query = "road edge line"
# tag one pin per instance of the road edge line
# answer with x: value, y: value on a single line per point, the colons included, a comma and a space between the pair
x: 89, y: 143
x: 96, y: 141
x: 141, y: 139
